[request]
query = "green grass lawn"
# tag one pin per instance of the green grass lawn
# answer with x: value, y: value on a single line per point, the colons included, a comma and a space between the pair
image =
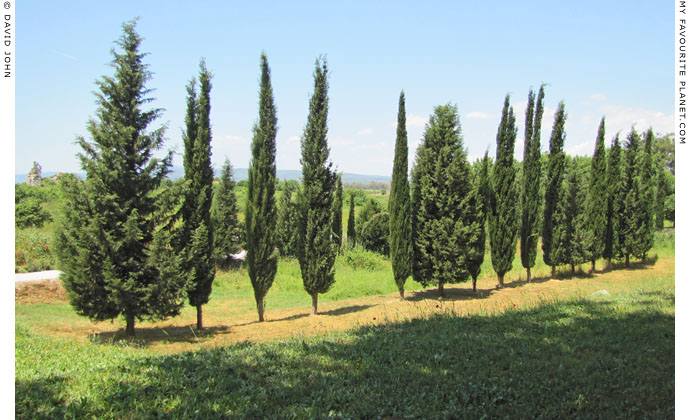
x: 597, y: 357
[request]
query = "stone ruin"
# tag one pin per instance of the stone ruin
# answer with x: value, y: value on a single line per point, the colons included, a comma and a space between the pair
x: 34, y: 178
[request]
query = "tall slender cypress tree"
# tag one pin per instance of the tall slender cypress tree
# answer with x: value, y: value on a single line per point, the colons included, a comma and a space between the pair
x: 112, y: 250
x: 597, y: 198
x: 554, y: 181
x: 613, y: 201
x: 399, y: 206
x: 199, y: 264
x: 262, y: 254
x: 503, y: 217
x: 631, y: 224
x: 338, y: 212
x: 570, y: 245
x: 351, y: 234
x: 480, y: 201
x: 531, y: 182
x: 442, y: 229
x: 288, y: 224
x: 317, y: 251
x: 647, y: 195
x: 228, y: 234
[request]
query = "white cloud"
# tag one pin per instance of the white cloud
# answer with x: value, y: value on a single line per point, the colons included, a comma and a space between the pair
x: 293, y: 140
x: 365, y: 131
x: 415, y: 121
x: 478, y: 115
x: 236, y: 139
x: 340, y: 141
x: 597, y: 97
x: 369, y: 146
x: 623, y: 118
x: 586, y: 148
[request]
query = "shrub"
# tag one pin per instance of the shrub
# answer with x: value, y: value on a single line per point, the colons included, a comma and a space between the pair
x: 32, y: 251
x: 359, y: 258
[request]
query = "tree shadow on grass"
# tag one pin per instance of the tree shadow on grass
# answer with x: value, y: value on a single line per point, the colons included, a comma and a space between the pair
x: 581, y: 359
x: 147, y: 336
x: 333, y: 312
x: 40, y: 398
x: 450, y: 294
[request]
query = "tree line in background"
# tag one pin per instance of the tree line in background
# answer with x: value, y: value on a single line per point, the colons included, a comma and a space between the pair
x: 132, y: 244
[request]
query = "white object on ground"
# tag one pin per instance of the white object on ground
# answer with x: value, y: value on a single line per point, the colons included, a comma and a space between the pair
x: 37, y: 276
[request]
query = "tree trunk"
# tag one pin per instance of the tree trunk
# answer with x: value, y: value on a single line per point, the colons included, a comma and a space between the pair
x: 610, y: 264
x: 260, y: 308
x: 314, y: 303
x: 553, y: 271
x: 199, y: 318
x: 474, y: 284
x: 529, y: 275
x: 500, y: 280
x: 594, y: 266
x: 440, y: 288
x: 627, y: 260
x: 129, y: 330
x: 402, y: 294
x: 572, y: 270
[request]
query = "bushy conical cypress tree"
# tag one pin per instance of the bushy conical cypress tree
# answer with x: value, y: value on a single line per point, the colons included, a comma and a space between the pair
x: 503, y: 217
x: 351, y: 234
x: 647, y: 196
x: 262, y: 254
x: 554, y: 181
x: 480, y: 201
x: 288, y: 224
x: 631, y: 224
x: 399, y: 206
x: 338, y: 212
x: 531, y: 182
x: 114, y: 254
x: 573, y: 235
x: 317, y: 251
x: 441, y: 194
x: 197, y: 248
x: 614, y: 202
x: 228, y: 233
x: 597, y: 198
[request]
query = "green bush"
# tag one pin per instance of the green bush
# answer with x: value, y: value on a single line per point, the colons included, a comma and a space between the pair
x: 359, y: 258
x: 32, y: 251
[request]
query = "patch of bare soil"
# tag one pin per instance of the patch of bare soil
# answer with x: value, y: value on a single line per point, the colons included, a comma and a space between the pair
x: 49, y: 291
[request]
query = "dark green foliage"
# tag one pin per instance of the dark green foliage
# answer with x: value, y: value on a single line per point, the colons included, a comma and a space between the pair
x: 531, y: 182
x: 317, y: 251
x: 338, y: 212
x: 502, y: 215
x: 351, y: 231
x: 597, y: 198
x: 648, y: 181
x: 665, y: 147
x: 614, y: 201
x: 115, y: 258
x: 28, y: 206
x: 631, y: 223
x: 370, y: 209
x: 287, y: 237
x: 440, y: 201
x: 196, y: 242
x: 554, y: 181
x: 228, y: 232
x: 261, y: 214
x: 375, y: 234
x: 572, y: 237
x: 399, y: 206
x: 480, y: 201
x: 665, y: 189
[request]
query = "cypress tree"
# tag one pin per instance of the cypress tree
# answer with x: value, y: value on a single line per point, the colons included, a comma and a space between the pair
x: 531, y: 182
x: 351, y: 235
x: 288, y: 224
x: 631, y: 224
x: 647, y: 196
x: 262, y: 255
x: 573, y: 236
x: 480, y: 201
x: 613, y: 202
x: 554, y: 180
x: 664, y: 188
x: 228, y: 233
x: 503, y: 217
x: 317, y: 251
x: 338, y: 212
x: 441, y: 192
x: 197, y: 246
x: 597, y: 198
x: 370, y: 209
x: 111, y: 244
x: 399, y: 206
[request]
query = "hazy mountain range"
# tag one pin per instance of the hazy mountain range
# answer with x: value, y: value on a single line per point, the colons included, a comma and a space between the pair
x: 241, y: 174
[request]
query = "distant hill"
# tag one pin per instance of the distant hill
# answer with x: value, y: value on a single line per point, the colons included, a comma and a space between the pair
x: 241, y: 174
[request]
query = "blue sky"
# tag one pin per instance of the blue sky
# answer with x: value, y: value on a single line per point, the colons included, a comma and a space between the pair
x: 610, y: 58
